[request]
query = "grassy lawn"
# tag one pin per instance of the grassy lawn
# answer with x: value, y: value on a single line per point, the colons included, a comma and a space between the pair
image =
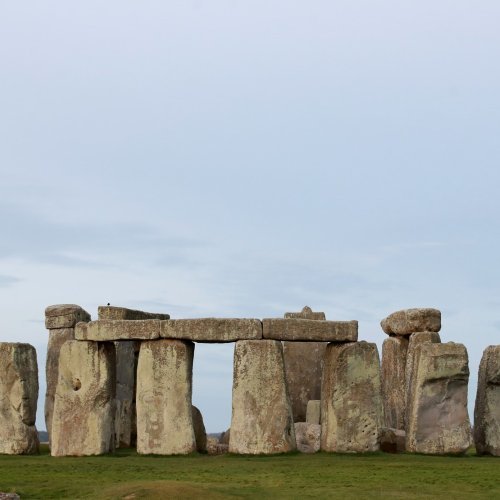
x: 127, y: 475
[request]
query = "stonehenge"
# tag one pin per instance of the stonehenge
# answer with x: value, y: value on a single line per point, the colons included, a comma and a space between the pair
x: 299, y: 383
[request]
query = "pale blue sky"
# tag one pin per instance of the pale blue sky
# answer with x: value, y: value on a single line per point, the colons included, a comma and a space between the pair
x: 247, y: 158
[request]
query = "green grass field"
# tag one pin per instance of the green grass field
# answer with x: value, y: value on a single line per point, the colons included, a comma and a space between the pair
x: 128, y: 476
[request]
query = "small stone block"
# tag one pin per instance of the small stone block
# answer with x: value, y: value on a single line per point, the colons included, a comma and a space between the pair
x: 313, y: 415
x: 64, y: 316
x: 408, y: 321
x: 107, y: 330
x: 306, y: 330
x: 307, y: 437
x: 212, y: 329
x: 392, y: 440
x: 306, y: 313
x: 116, y: 313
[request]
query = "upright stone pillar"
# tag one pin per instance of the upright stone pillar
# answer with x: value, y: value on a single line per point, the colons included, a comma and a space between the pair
x: 164, y: 413
x: 437, y: 418
x: 262, y: 421
x: 303, y: 367
x: 18, y: 399
x: 487, y: 408
x: 60, y: 320
x: 84, y: 405
x: 351, y: 407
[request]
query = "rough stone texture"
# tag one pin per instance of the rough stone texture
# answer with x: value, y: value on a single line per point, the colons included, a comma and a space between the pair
x: 487, y: 408
x: 108, y: 330
x: 262, y: 421
x: 392, y: 440
x: 64, y: 316
x: 216, y: 448
x: 18, y: 399
x: 437, y: 418
x: 306, y: 313
x: 200, y: 433
x: 415, y: 339
x: 351, y: 404
x: 9, y: 496
x: 303, y: 368
x: 164, y: 384
x: 84, y: 406
x: 307, y: 330
x: 117, y: 313
x: 224, y: 437
x: 313, y: 415
x: 307, y: 437
x: 408, y: 321
x: 212, y: 329
x: 394, y: 350
x: 125, y: 392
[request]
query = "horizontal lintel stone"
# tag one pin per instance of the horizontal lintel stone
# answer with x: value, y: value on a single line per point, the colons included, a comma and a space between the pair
x: 306, y: 330
x: 116, y: 313
x: 408, y: 321
x: 212, y: 329
x: 107, y: 330
x: 64, y: 316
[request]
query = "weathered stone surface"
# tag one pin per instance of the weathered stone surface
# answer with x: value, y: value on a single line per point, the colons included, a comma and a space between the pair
x: 216, y: 448
x: 200, y: 433
x: 351, y: 404
x: 64, y: 316
x: 392, y: 440
x: 306, y: 330
x: 84, y: 406
x: 212, y: 329
x: 224, y: 437
x: 9, y: 496
x: 487, y: 408
x: 415, y: 339
x: 262, y: 421
x: 394, y: 350
x: 57, y: 337
x: 303, y: 368
x: 108, y: 330
x: 18, y: 399
x: 125, y: 392
x: 313, y: 415
x: 306, y: 313
x: 164, y: 385
x: 117, y: 313
x: 307, y: 437
x: 437, y: 418
x: 408, y: 321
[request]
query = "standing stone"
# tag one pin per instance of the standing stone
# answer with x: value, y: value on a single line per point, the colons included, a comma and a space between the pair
x: 437, y: 418
x: 308, y: 437
x: 262, y: 421
x: 313, y: 415
x: 60, y: 320
x: 394, y: 350
x: 125, y: 392
x: 351, y: 404
x: 303, y: 367
x: 200, y: 433
x: 164, y: 414
x: 18, y: 399
x: 84, y: 406
x: 487, y: 409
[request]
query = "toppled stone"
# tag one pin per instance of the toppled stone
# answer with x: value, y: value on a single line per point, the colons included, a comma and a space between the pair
x: 117, y: 313
x: 18, y: 399
x: 212, y: 329
x: 394, y: 351
x: 392, y: 440
x: 487, y: 408
x: 108, y: 330
x: 125, y: 393
x: 64, y: 316
x: 307, y: 330
x: 164, y: 385
x: 313, y: 415
x: 306, y: 313
x: 303, y: 368
x: 200, y: 433
x: 262, y: 421
x: 351, y: 404
x: 408, y: 321
x: 307, y: 437
x: 437, y: 418
x: 84, y: 405
x: 415, y: 339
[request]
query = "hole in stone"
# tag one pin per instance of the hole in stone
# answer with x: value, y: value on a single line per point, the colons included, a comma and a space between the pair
x: 76, y: 384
